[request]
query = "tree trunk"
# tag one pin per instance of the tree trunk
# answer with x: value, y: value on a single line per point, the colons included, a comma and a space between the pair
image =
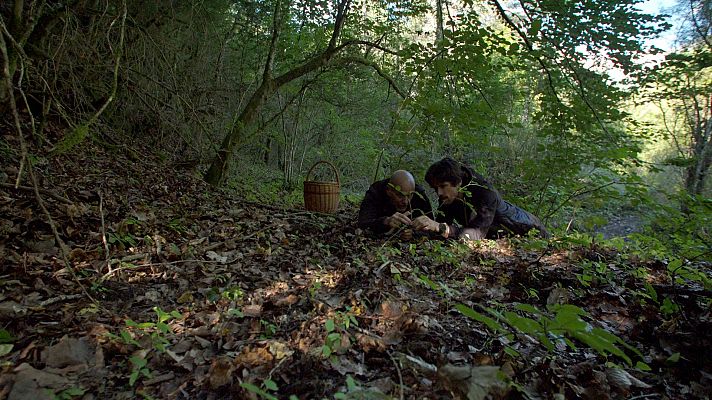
x: 439, y: 25
x: 219, y: 168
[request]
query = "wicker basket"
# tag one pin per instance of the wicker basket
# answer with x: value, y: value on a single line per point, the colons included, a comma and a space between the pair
x: 321, y: 196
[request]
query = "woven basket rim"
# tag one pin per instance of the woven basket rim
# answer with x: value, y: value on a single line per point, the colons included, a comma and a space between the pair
x: 322, y: 183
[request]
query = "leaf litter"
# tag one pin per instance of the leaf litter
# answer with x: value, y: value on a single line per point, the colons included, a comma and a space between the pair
x: 204, y: 296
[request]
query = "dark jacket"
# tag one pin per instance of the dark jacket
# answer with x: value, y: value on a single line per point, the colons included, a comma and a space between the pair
x: 376, y: 207
x: 484, y: 214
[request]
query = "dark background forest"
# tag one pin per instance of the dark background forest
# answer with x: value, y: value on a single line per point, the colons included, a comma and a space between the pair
x: 567, y: 107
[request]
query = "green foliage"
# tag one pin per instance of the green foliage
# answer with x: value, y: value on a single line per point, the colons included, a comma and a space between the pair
x: 269, y: 329
x: 354, y: 391
x: 681, y: 234
x: 138, y: 368
x: 683, y: 274
x: 446, y: 252
x: 6, y: 337
x: 177, y: 226
x: 121, y: 240
x: 156, y: 333
x: 68, y: 394
x: 75, y: 137
x: 594, y: 273
x: 337, y: 332
x: 566, y: 323
x: 268, y: 386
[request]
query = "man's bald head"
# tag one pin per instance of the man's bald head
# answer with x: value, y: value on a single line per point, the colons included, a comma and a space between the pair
x: 403, y: 181
x: 400, y: 189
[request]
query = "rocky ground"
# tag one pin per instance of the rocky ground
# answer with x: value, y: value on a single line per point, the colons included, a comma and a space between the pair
x: 163, y: 287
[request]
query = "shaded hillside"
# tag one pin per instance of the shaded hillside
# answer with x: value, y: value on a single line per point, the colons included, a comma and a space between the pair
x: 204, y: 296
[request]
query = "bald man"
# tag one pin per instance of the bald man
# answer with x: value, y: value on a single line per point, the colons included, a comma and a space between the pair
x: 392, y: 203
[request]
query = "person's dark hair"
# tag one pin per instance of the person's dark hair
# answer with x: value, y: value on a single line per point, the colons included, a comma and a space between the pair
x: 445, y: 170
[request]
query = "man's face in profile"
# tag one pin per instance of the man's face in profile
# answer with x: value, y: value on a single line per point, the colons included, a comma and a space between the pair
x: 399, y: 197
x: 447, y: 192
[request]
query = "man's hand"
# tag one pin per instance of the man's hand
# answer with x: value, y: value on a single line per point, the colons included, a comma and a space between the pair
x: 407, y: 234
x: 398, y: 219
x: 423, y: 223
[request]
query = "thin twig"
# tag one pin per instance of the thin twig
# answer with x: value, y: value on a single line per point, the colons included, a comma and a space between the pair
x: 400, y: 375
x: 43, y: 191
x: 103, y: 231
x: 30, y: 169
x: 131, y: 266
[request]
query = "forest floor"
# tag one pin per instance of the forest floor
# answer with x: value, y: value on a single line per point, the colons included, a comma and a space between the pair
x: 163, y: 287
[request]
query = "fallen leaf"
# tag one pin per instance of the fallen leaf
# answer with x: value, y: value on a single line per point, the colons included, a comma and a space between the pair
x: 220, y: 373
x: 5, y: 349
x: 211, y: 255
x: 252, y: 310
x: 280, y: 350
x: 69, y: 352
x: 392, y: 309
x: 31, y: 383
x: 474, y: 383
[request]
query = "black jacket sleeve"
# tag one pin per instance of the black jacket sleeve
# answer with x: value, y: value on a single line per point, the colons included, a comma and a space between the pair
x: 370, y: 215
x: 420, y: 204
x: 486, y: 207
x: 482, y: 201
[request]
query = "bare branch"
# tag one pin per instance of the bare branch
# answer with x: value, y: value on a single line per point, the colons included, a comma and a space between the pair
x: 379, y: 71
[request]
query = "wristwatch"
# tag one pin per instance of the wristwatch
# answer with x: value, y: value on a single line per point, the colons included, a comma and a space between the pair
x: 442, y: 228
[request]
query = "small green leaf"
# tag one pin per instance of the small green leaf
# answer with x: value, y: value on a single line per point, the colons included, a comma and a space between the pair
x: 674, y: 265
x: 5, y: 349
x: 163, y: 327
x: 6, y: 337
x: 641, y: 366
x: 254, y: 389
x: 330, y: 325
x: 235, y: 312
x: 271, y: 385
x: 326, y: 351
x: 350, y: 383
x: 133, y: 377
x: 74, y: 391
x: 511, y: 351
x: 138, y: 362
x: 675, y: 357
x: 528, y: 308
x: 491, y: 323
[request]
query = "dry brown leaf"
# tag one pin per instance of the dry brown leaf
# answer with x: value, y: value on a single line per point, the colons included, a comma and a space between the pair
x: 254, y: 356
x: 392, y: 309
x: 220, y: 373
x: 34, y: 384
x: 369, y: 343
x: 69, y: 352
x: 287, y: 300
x: 252, y: 310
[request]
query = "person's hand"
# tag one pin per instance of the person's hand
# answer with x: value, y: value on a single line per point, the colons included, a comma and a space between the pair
x: 398, y: 219
x: 423, y: 223
x: 407, y: 234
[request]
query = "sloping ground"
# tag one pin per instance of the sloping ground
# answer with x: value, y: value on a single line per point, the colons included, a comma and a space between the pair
x: 202, y: 296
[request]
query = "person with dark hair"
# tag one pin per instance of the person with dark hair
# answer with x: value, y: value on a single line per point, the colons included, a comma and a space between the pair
x: 470, y: 207
x: 391, y: 203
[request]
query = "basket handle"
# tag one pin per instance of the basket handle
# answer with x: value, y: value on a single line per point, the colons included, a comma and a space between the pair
x: 336, y: 172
